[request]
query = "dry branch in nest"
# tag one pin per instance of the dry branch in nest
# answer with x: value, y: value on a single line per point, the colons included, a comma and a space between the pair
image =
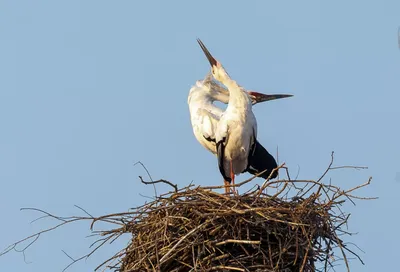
x: 197, y: 229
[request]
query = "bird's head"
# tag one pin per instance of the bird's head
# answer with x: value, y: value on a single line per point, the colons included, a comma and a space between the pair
x: 260, y: 97
x: 217, y: 69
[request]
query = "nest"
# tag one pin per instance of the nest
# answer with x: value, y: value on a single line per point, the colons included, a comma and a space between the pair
x: 201, y: 230
x: 296, y: 228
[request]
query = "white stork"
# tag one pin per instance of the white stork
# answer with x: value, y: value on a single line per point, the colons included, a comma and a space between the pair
x: 230, y: 134
x: 204, y: 117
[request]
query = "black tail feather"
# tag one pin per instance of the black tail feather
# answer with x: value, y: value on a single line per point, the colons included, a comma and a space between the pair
x: 261, y: 160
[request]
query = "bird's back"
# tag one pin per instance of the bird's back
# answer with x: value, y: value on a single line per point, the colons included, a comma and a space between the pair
x: 204, y: 115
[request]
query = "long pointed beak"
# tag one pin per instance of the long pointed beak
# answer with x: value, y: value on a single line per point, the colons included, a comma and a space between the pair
x: 210, y: 58
x: 260, y: 97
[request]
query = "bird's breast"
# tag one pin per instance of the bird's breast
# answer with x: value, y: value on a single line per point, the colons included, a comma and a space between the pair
x: 237, y: 150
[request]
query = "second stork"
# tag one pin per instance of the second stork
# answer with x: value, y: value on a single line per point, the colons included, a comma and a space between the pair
x: 236, y: 132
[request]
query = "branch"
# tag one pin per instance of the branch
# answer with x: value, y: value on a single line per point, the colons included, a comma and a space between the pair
x: 158, y: 181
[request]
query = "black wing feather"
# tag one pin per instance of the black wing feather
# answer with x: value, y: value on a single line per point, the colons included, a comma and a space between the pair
x: 261, y: 160
x: 209, y: 139
x: 220, y: 155
x: 252, y: 149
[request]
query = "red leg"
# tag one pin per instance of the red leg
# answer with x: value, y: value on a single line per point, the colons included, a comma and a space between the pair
x: 233, y: 178
x: 226, y: 183
x: 232, y: 174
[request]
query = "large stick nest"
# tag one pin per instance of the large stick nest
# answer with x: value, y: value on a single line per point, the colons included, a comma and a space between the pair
x: 204, y: 230
x: 201, y: 230
x: 296, y: 228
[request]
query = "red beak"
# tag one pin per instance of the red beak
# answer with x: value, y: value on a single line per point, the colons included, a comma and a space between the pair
x: 210, y: 58
x: 260, y: 97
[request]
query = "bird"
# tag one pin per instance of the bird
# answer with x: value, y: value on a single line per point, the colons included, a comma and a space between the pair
x: 230, y: 134
x: 204, y: 116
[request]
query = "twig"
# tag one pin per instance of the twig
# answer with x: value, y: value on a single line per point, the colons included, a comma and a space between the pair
x: 180, y: 241
x: 238, y: 242
x: 148, y: 174
x: 158, y: 181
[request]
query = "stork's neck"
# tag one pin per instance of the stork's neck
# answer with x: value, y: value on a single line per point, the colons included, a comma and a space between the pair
x: 218, y: 93
x: 237, y: 97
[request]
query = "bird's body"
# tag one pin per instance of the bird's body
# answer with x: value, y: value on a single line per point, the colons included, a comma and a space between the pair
x: 236, y: 130
x: 205, y: 115
x: 231, y: 134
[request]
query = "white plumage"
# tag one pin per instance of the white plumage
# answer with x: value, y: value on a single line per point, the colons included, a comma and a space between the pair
x: 230, y: 134
x: 204, y: 115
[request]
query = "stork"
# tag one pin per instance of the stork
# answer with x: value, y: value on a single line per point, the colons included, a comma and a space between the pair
x: 231, y: 134
x: 204, y: 116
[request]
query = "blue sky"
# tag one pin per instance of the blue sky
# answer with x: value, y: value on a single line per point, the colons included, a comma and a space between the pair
x: 90, y: 87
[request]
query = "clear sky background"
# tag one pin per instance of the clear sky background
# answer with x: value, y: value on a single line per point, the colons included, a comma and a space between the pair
x: 87, y: 88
